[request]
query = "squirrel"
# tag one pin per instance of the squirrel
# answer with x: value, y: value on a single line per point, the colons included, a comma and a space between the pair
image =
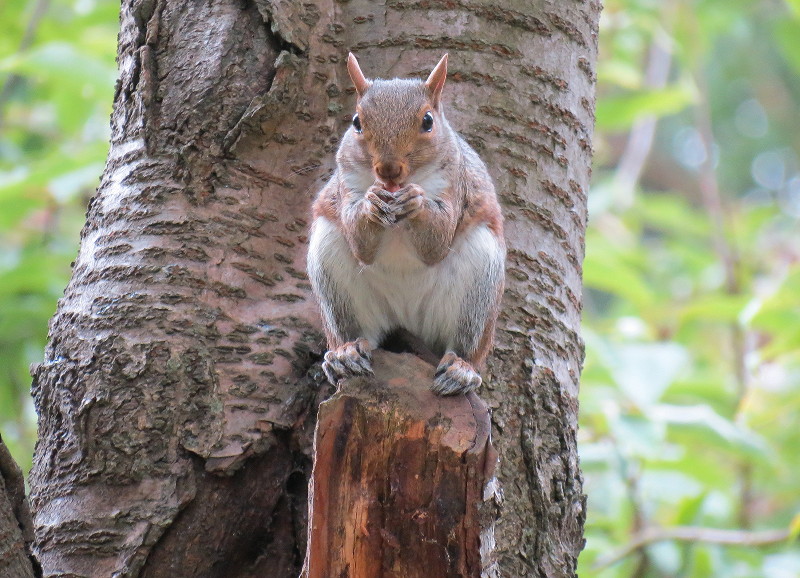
x: 407, y: 235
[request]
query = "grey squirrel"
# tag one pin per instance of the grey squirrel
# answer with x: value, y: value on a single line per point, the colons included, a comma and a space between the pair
x: 407, y: 234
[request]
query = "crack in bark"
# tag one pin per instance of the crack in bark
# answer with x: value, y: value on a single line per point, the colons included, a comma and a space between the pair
x: 267, y: 111
x: 281, y: 19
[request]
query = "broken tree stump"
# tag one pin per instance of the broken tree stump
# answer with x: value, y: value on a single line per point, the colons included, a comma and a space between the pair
x: 399, y: 473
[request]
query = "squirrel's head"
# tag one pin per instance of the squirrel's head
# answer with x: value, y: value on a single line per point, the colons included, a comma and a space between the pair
x: 399, y: 124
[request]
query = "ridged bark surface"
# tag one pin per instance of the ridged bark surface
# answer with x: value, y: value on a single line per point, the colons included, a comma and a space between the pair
x: 179, y: 388
x: 16, y: 526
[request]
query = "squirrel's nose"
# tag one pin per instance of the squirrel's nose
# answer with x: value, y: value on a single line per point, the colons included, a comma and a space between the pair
x: 389, y: 170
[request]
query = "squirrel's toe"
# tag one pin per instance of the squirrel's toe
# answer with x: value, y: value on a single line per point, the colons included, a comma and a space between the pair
x: 455, y: 376
x: 351, y: 359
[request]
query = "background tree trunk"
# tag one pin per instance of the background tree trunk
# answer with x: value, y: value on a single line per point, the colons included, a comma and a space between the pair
x: 179, y: 387
x: 16, y: 526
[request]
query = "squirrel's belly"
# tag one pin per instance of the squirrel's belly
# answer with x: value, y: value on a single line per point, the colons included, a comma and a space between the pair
x: 397, y: 256
x: 428, y: 300
x: 413, y: 295
x: 398, y: 290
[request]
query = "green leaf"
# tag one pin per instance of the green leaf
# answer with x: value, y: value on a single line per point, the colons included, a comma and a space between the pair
x: 703, y: 418
x: 608, y: 268
x: 644, y: 370
x: 787, y: 32
x: 702, y: 562
x: 794, y: 528
x: 620, y: 72
x: 673, y: 215
x: 635, y: 435
x: 689, y: 509
x: 778, y: 315
x: 63, y: 63
x: 714, y: 307
x: 620, y: 112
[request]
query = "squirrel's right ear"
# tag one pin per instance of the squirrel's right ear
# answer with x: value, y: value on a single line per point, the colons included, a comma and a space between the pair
x: 435, y: 82
x: 361, y: 83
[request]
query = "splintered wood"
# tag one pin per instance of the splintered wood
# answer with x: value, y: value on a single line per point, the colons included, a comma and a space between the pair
x: 398, y: 478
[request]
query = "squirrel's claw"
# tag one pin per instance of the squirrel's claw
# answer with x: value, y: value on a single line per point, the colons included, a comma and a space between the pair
x: 410, y: 208
x: 409, y: 201
x: 351, y: 359
x: 454, y: 376
x: 387, y: 209
x: 378, y: 210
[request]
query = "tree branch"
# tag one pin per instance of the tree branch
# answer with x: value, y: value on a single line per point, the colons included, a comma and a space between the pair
x: 693, y: 534
x: 642, y: 134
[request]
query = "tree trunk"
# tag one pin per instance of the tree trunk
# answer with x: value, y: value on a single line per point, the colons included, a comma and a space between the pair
x: 16, y: 526
x: 180, y: 383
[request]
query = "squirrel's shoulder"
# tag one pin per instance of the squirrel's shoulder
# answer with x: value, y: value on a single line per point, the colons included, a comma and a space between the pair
x: 473, y: 167
x: 328, y: 201
x: 481, y: 205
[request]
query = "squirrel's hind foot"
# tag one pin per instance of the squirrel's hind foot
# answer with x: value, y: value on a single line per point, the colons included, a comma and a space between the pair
x: 454, y: 376
x: 348, y: 360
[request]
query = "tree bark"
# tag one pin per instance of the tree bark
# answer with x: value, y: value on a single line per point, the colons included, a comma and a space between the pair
x: 180, y: 383
x: 16, y: 526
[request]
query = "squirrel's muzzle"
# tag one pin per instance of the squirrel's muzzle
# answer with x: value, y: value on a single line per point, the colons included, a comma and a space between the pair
x: 389, y: 171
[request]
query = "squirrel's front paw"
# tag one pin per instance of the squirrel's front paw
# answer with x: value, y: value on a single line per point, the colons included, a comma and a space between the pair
x: 454, y: 376
x: 409, y: 201
x: 380, y: 207
x: 351, y: 359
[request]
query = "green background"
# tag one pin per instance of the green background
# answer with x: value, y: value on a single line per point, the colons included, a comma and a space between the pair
x: 690, y: 400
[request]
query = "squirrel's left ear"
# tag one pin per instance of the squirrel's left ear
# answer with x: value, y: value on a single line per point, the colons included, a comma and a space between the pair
x: 435, y: 82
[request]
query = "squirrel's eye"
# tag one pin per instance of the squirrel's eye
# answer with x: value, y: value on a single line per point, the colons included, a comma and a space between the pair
x: 357, y: 123
x: 427, y: 122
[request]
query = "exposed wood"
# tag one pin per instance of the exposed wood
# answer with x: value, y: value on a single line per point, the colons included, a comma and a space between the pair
x: 399, y: 473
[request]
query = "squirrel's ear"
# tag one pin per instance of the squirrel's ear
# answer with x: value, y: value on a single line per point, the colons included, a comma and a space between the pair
x: 356, y: 75
x: 435, y: 82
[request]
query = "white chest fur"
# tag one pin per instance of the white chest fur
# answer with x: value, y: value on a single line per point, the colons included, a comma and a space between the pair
x: 398, y: 290
x: 433, y: 181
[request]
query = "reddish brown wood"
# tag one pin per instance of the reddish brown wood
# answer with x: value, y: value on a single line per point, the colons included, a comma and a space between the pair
x: 398, y: 478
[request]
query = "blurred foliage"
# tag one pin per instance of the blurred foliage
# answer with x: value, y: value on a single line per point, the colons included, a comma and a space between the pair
x: 691, y: 389
x: 57, y: 77
x: 690, y: 395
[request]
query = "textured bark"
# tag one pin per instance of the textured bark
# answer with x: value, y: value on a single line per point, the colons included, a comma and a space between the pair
x: 179, y: 389
x: 399, y: 473
x: 16, y: 526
